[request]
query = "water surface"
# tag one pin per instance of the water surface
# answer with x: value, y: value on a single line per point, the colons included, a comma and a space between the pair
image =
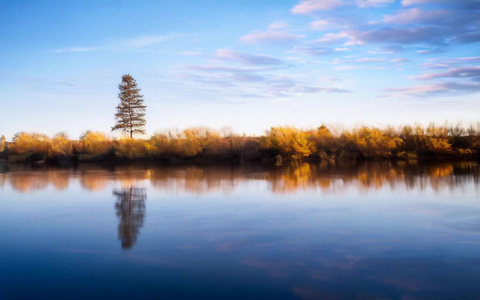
x: 367, y: 231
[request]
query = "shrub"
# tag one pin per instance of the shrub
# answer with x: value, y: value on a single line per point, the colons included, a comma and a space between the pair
x: 94, y: 142
x: 61, y: 145
x: 291, y: 143
x: 130, y: 148
x: 24, y: 143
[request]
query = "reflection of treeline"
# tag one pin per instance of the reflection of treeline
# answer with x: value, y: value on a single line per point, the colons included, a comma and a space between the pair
x: 325, y: 177
x: 278, y: 143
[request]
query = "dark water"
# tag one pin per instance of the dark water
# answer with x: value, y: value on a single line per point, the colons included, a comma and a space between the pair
x: 371, y: 231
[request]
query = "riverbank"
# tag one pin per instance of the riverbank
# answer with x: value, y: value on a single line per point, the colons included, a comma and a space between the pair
x: 279, y: 145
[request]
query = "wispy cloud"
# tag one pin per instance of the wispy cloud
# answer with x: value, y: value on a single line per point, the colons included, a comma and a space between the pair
x: 77, y: 49
x: 217, y: 68
x: 466, y: 81
x: 400, y: 60
x: 347, y: 68
x: 399, y: 35
x: 191, y: 53
x: 136, y: 42
x: 247, y: 59
x: 450, y: 63
x: 311, y: 6
x: 258, y: 77
x: 471, y: 73
x: 272, y: 36
x: 416, y: 15
x: 439, y: 89
x: 278, y: 25
x: 144, y: 41
x: 439, y: 25
x: 464, y: 4
x: 320, y: 25
x: 332, y: 37
x: 368, y: 59
x: 314, y: 51
x: 369, y: 3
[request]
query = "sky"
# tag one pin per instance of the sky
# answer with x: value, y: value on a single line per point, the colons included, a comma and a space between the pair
x: 245, y: 65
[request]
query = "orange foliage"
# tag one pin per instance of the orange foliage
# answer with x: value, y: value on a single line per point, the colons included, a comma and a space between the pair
x: 24, y: 143
x: 94, y: 142
x: 289, y: 142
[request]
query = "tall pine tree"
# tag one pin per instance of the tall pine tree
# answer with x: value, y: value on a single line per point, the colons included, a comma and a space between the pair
x: 130, y: 114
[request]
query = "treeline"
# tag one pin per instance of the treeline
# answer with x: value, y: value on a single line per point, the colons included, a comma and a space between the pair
x: 279, y: 144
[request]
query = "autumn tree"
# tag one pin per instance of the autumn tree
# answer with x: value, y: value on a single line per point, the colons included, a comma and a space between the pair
x: 291, y: 143
x: 130, y: 114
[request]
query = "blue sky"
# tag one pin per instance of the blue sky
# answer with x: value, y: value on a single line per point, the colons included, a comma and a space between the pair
x: 247, y: 65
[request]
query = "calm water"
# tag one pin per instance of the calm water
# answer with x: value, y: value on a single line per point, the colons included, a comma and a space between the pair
x: 371, y: 231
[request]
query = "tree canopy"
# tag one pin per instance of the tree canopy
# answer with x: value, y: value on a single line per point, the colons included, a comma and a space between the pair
x: 130, y: 114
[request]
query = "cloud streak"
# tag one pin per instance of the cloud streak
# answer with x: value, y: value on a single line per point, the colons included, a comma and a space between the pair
x: 247, y: 59
x: 137, y: 42
x: 472, y: 73
x: 144, y: 41
x: 311, y: 6
x: 77, y: 49
x: 439, y: 89
x: 278, y: 37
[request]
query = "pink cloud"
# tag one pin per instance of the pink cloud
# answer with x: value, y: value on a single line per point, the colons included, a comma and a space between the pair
x: 310, y: 6
x: 462, y: 72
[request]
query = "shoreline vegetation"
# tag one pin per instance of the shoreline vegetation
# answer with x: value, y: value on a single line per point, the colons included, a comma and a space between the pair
x: 278, y: 145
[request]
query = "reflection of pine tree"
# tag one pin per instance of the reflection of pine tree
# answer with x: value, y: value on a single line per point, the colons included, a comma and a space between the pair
x: 131, y: 211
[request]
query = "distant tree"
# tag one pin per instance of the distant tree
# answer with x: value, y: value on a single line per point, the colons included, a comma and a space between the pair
x: 130, y: 114
x: 2, y: 143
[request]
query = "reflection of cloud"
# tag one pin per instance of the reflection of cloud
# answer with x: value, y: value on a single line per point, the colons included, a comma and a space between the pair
x: 273, y: 268
x: 309, y: 293
x: 148, y: 260
x: 253, y: 240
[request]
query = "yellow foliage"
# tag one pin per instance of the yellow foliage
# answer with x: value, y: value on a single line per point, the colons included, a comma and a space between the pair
x: 438, y: 144
x: 191, y: 143
x: 61, y: 145
x: 131, y: 148
x: 290, y: 142
x: 95, y: 142
x: 374, y: 141
x: 323, y: 138
x: 24, y: 142
x: 437, y: 138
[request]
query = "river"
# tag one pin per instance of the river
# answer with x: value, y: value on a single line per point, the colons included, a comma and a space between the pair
x: 306, y: 231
